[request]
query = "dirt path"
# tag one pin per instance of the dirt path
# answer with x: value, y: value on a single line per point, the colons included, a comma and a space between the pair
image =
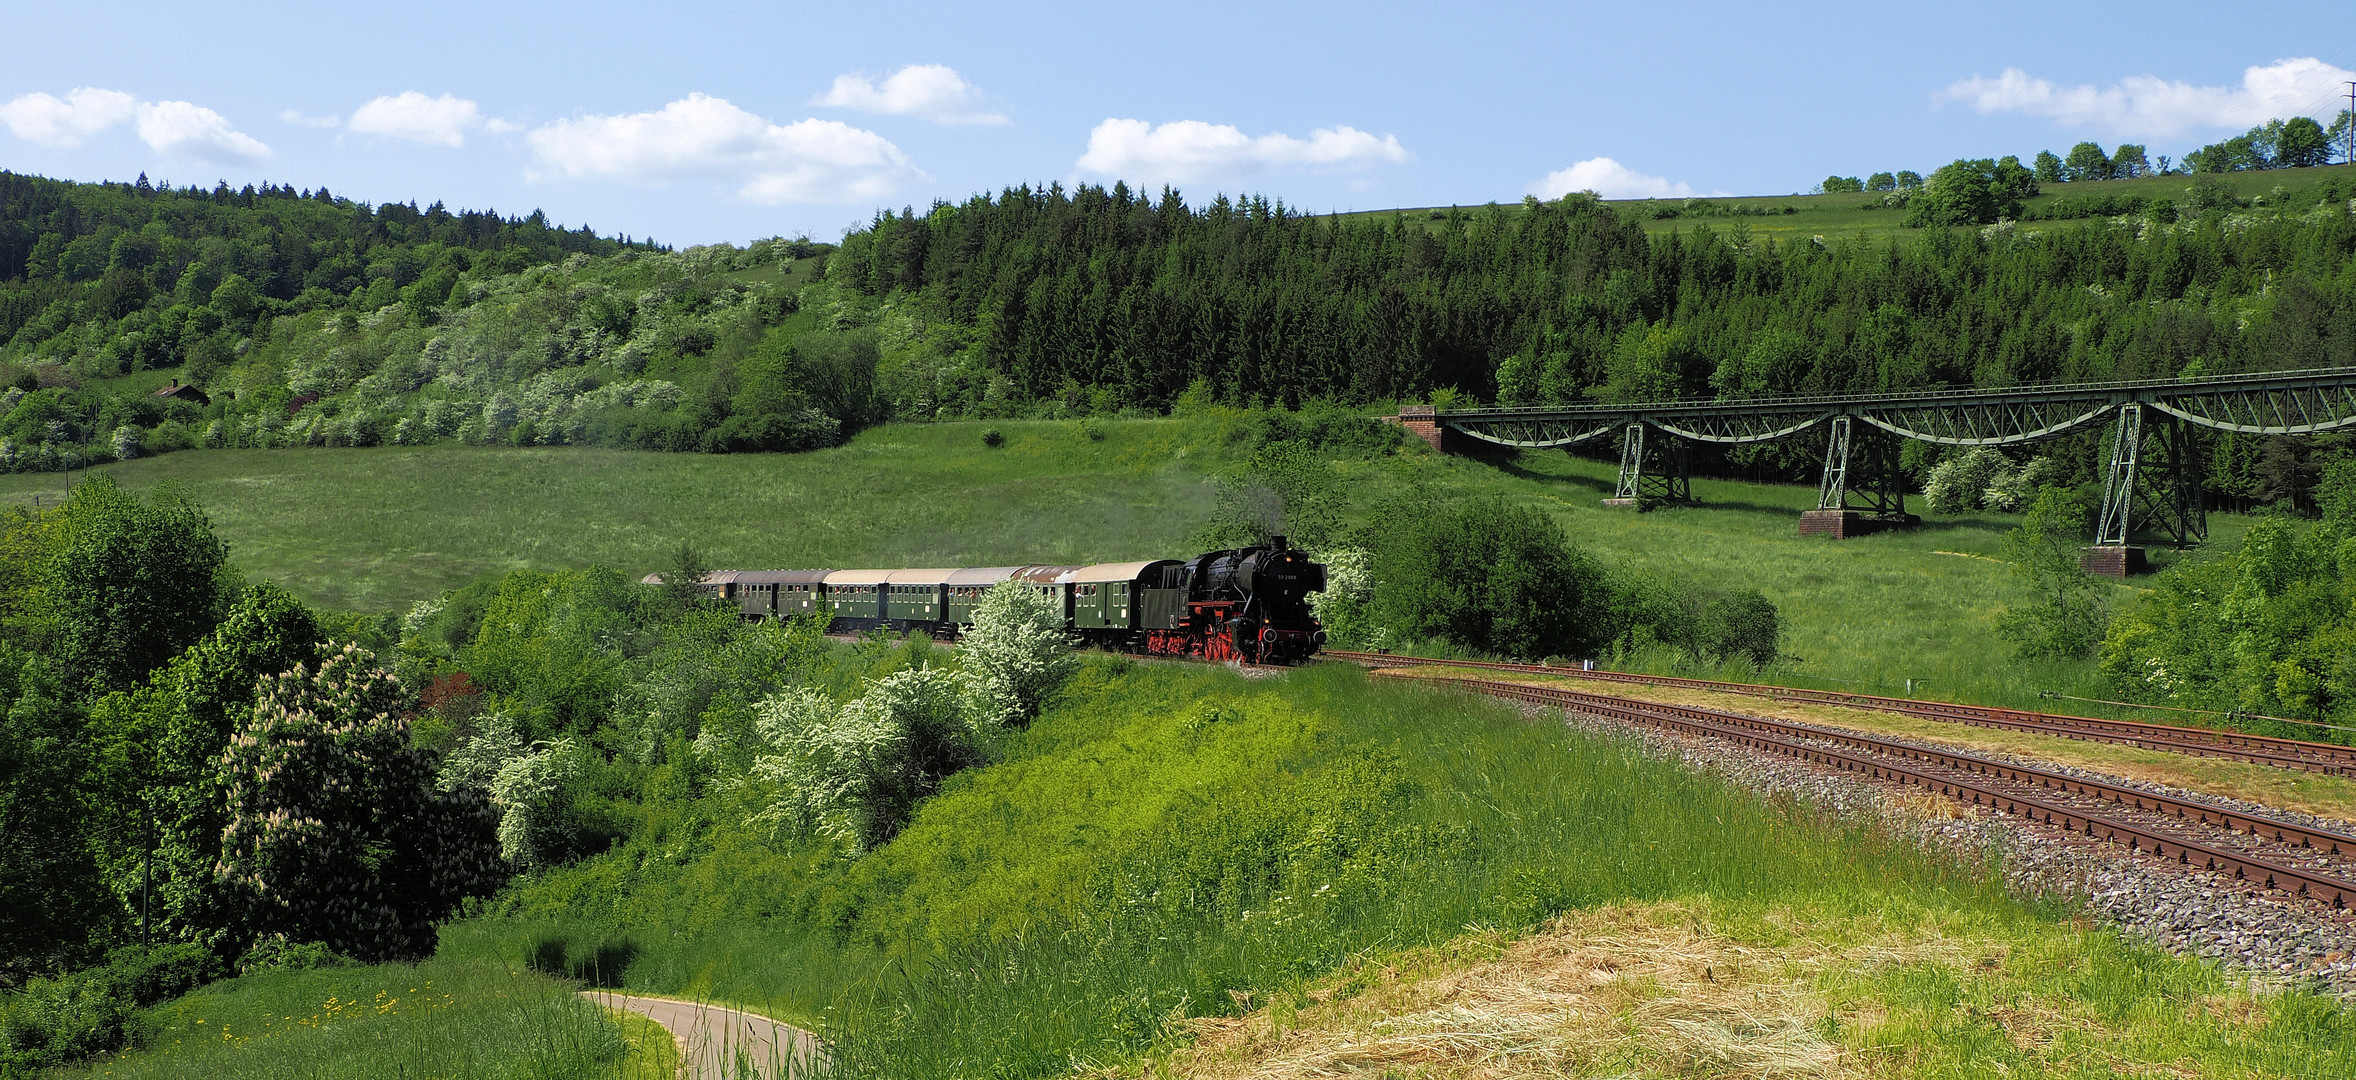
x: 713, y: 1041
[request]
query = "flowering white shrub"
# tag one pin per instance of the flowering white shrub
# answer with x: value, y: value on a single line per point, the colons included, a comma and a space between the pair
x: 1016, y: 654
x: 532, y: 792
x: 477, y: 761
x: 1960, y: 483
x: 1345, y: 605
x: 2014, y: 490
x: 854, y: 773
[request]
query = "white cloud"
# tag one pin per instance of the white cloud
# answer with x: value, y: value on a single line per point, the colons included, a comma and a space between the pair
x: 2146, y: 105
x: 298, y: 119
x: 1609, y: 179
x: 181, y: 127
x: 1186, y: 150
x: 170, y: 127
x: 931, y: 91
x: 66, y: 123
x: 701, y: 137
x: 443, y: 120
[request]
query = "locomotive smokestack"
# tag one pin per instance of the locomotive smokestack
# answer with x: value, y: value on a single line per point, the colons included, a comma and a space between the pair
x: 1277, y: 542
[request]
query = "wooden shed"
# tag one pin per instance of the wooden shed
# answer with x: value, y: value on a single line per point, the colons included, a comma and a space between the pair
x: 184, y: 392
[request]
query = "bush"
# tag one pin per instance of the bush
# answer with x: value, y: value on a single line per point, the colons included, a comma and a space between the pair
x: 1744, y: 625
x: 1016, y: 654
x: 993, y: 438
x: 336, y: 832
x: 1960, y: 483
x: 2068, y: 617
x: 53, y: 1021
x: 1346, y: 605
x: 855, y: 773
x: 1491, y: 576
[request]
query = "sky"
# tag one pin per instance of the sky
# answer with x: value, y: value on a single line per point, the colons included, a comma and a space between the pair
x: 700, y: 123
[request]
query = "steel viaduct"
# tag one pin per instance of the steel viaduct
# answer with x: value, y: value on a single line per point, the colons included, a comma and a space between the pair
x: 2153, y: 486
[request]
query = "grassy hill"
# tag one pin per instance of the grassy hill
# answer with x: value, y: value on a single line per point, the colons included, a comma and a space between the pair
x: 1177, y: 866
x: 375, y: 529
x: 1852, y: 214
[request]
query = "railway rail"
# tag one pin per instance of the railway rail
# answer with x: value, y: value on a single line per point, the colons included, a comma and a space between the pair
x: 2293, y: 754
x: 2179, y: 829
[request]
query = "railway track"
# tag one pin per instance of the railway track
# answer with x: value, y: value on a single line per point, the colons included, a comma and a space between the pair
x: 2304, y: 860
x: 2293, y: 754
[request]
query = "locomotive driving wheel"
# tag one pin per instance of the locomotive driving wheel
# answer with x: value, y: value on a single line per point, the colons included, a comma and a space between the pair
x: 1244, y: 634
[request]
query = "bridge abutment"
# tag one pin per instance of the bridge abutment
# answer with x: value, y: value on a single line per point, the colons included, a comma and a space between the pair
x: 1423, y: 422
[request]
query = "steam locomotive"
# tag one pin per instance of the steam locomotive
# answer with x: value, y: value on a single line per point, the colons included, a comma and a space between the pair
x: 1248, y: 604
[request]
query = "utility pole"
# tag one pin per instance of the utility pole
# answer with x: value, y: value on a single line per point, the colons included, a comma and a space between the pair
x: 2352, y: 123
x: 147, y: 872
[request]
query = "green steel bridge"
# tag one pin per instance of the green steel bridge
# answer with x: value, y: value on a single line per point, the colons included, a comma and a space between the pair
x: 2154, y: 475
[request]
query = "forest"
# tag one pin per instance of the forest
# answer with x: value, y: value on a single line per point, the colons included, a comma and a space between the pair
x: 306, y: 320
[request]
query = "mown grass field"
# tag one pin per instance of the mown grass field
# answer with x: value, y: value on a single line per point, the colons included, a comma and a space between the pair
x: 374, y: 529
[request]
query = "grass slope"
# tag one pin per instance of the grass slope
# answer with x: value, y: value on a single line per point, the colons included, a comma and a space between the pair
x: 378, y: 528
x: 1175, y: 841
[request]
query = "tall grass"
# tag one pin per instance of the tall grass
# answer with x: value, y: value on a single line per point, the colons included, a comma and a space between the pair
x: 440, y: 1019
x: 1172, y: 842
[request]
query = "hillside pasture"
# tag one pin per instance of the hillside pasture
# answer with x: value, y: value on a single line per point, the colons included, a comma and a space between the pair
x: 1857, y: 214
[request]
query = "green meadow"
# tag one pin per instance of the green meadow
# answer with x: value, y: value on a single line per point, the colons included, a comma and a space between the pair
x: 377, y: 529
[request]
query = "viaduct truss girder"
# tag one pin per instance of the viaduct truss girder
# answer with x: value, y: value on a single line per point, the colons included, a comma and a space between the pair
x: 2268, y: 403
x: 2151, y: 423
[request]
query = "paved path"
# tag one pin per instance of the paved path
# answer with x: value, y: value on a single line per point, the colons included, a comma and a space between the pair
x: 712, y: 1040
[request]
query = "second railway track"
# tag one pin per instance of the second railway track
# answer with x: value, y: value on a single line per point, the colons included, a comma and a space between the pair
x: 2298, y: 858
x: 2291, y: 754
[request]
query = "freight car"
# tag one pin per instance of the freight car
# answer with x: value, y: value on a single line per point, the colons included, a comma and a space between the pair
x: 1248, y: 604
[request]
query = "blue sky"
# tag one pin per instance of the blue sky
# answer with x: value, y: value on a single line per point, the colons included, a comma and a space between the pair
x: 695, y: 123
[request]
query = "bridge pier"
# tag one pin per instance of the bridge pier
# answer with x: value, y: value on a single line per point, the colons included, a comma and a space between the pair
x: 2170, y: 500
x: 1651, y: 475
x: 2113, y: 560
x: 1863, y: 489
